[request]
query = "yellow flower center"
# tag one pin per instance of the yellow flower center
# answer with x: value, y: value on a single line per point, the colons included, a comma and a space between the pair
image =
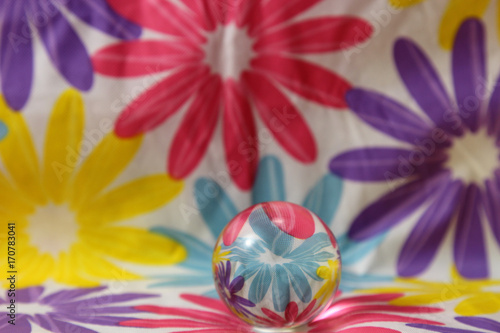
x: 324, y: 272
x: 53, y: 229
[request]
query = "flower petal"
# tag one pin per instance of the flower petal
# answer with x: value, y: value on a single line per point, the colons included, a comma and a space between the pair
x: 161, y: 16
x: 51, y: 323
x: 423, y: 83
x: 492, y: 113
x: 273, y: 13
x: 193, y: 135
x: 269, y: 183
x: 260, y: 285
x: 240, y: 136
x: 62, y: 144
x: 28, y: 295
x: 290, y: 218
x: 306, y: 79
x: 481, y: 322
x: 22, y: 325
x: 280, y: 288
x: 135, y: 198
x: 441, y: 329
x: 422, y: 244
x: 100, y: 15
x: 469, y: 71
x: 324, y: 198
x: 214, y: 205
x: 16, y: 56
x: 281, y: 118
x: 144, y: 57
x: 456, y: 12
x: 66, y: 50
x: 492, y: 208
x: 122, y: 243
x: 19, y: 155
x: 159, y: 102
x: 299, y: 282
x: 379, y: 163
x: 102, y: 166
x: 480, y: 304
x: 388, y: 116
x: 469, y: 247
x: 394, y: 206
x: 323, y: 34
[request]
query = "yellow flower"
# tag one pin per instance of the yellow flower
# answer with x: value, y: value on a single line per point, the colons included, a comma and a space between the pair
x: 456, y: 12
x: 329, y: 273
x: 475, y: 298
x: 66, y: 217
x: 219, y: 256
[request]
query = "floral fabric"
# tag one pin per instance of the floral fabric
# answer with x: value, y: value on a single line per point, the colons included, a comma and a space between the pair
x: 132, y: 132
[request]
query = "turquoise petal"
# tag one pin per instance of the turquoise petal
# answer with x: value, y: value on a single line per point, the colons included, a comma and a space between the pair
x: 323, y: 199
x: 260, y: 285
x: 353, y: 251
x: 299, y: 282
x: 269, y: 183
x: 214, y: 204
x: 281, y: 288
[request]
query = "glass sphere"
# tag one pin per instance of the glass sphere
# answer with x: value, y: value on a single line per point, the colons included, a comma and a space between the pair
x: 276, y: 265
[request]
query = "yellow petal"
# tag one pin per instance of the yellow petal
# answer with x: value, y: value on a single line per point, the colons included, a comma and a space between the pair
x: 134, y: 245
x: 456, y: 12
x: 404, y: 3
x: 99, y: 267
x: 69, y: 269
x: 423, y: 299
x: 19, y: 155
x: 34, y: 268
x: 102, y: 166
x: 62, y: 144
x: 135, y: 198
x: 481, y: 304
x: 13, y: 203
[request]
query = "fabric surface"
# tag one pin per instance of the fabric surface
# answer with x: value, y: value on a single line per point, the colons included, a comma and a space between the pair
x: 132, y: 132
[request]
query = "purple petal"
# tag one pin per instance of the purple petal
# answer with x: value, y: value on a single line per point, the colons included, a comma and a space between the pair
x: 480, y: 322
x: 52, y: 324
x: 388, y: 116
x: 68, y: 295
x: 91, y: 318
x: 16, y: 55
x: 237, y: 284
x: 22, y: 324
x: 493, y: 112
x: 28, y: 295
x: 492, y: 207
x: 469, y: 247
x: 393, y: 207
x: 376, y: 164
x: 425, y: 238
x: 66, y: 50
x: 424, y: 85
x: 100, y: 15
x: 469, y: 71
x: 242, y: 301
x: 104, y: 299
x: 441, y: 329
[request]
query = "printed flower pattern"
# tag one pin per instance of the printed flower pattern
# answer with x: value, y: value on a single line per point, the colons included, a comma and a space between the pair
x: 65, y: 309
x: 67, y: 220
x: 233, y: 58
x: 486, y: 324
x: 477, y: 297
x: 432, y: 171
x: 341, y: 315
x: 230, y: 288
x: 21, y: 20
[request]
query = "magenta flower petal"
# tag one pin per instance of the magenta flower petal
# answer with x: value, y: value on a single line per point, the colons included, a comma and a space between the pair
x: 469, y: 71
x: 16, y: 55
x: 469, y: 248
x: 194, y: 134
x: 306, y: 79
x: 100, y: 15
x: 389, y: 116
x: 66, y: 50
x: 393, y: 207
x: 422, y: 244
x: 423, y: 83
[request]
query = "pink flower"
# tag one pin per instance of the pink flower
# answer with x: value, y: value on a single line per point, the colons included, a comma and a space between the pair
x: 229, y: 57
x: 342, y: 314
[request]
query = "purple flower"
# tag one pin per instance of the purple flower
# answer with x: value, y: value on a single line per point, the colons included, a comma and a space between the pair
x: 61, y: 310
x: 446, y: 167
x: 487, y: 324
x: 20, y: 20
x: 231, y: 288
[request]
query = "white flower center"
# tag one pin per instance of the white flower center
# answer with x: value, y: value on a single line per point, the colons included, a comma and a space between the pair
x: 228, y: 51
x: 33, y: 308
x: 53, y: 229
x: 473, y: 157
